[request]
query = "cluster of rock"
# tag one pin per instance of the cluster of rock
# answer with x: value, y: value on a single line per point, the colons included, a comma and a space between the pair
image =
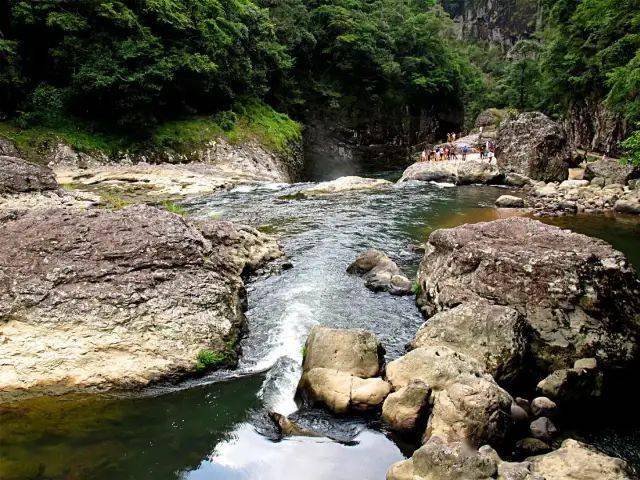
x: 380, y: 273
x: 349, y: 183
x: 95, y: 299
x: 509, y: 302
x: 576, y: 196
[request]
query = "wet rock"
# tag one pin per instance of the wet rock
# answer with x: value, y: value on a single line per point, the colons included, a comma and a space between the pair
x: 611, y: 170
x: 289, y: 428
x: 543, y: 407
x: 403, y: 410
x: 114, y: 299
x: 19, y: 176
x: 381, y: 274
x: 572, y: 385
x: 473, y: 409
x: 455, y: 171
x: 523, y: 403
x: 543, y: 429
x: 627, y: 206
x: 577, y: 295
x: 509, y: 201
x: 531, y: 446
x: 352, y: 351
x: 341, y: 391
x: 577, y: 461
x: 346, y: 184
x: 518, y: 414
x: 434, y: 366
x: 491, y: 334
x: 535, y: 146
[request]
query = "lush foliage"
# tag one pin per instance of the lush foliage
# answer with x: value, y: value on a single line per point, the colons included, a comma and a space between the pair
x: 134, y: 63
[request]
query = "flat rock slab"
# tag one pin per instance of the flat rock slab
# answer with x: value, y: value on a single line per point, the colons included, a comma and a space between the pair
x: 453, y: 171
x: 101, y: 300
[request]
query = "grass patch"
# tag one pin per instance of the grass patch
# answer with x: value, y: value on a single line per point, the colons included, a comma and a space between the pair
x: 416, y: 288
x: 172, y: 207
x: 34, y: 142
x: 208, y: 359
x: 249, y: 120
x: 113, y: 201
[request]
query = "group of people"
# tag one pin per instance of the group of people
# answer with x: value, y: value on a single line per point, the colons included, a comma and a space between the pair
x: 450, y: 151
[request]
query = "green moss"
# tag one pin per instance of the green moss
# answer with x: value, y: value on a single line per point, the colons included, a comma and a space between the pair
x: 34, y: 142
x: 208, y: 359
x: 249, y: 120
x: 174, y: 208
x: 416, y: 288
x: 113, y: 201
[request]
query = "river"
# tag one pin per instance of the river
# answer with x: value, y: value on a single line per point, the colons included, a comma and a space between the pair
x: 211, y: 429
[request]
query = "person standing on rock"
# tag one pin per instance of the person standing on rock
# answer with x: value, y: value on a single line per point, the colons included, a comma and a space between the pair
x: 465, y: 150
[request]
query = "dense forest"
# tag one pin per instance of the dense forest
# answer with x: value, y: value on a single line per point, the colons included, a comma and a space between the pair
x: 131, y: 65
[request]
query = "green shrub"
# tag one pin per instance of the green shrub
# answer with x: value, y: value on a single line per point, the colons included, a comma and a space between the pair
x: 207, y: 359
x: 416, y: 288
x: 631, y: 148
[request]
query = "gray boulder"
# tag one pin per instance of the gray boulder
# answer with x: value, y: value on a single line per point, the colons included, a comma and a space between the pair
x: 491, y: 334
x: 7, y: 148
x: 627, y: 206
x: 509, y: 201
x: 381, y: 274
x: 543, y: 407
x: 455, y: 171
x: 18, y: 176
x: 578, y: 296
x: 531, y: 446
x: 572, y: 385
x: 543, y: 429
x: 535, y: 146
x: 106, y: 300
x: 611, y: 170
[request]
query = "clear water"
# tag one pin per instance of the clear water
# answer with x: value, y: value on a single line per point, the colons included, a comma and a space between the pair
x: 209, y: 430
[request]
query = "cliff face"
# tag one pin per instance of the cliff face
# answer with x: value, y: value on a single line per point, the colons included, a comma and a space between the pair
x: 500, y: 22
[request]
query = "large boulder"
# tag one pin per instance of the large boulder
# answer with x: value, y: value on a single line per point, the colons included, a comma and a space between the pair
x: 455, y: 171
x: 103, y: 300
x: 18, y: 176
x: 341, y: 391
x: 491, y: 118
x: 535, y: 146
x: 493, y: 335
x: 578, y: 296
x: 612, y: 171
x: 353, y: 351
x: 403, y: 410
x: 437, y: 367
x: 577, y: 461
x: 473, y: 409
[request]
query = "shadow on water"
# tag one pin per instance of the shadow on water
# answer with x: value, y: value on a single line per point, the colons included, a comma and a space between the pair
x: 209, y: 431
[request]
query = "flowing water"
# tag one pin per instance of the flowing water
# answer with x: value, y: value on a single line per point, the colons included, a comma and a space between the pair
x: 212, y: 429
